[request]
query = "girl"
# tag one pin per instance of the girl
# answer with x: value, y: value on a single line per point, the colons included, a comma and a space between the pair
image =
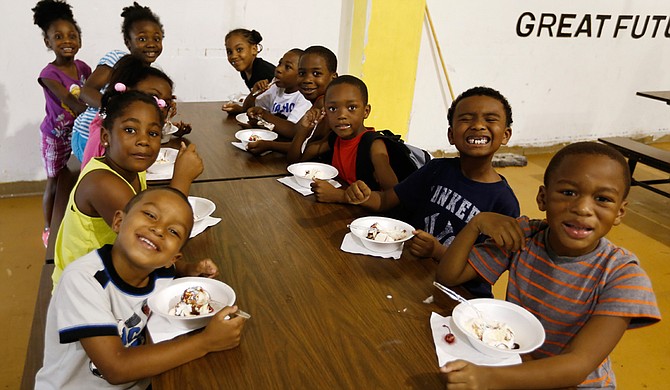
x: 280, y: 103
x: 135, y: 74
x: 143, y: 36
x: 131, y: 134
x: 242, y: 47
x: 61, y: 80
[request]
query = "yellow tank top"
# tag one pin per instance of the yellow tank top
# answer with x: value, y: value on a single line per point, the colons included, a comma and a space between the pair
x: 79, y: 234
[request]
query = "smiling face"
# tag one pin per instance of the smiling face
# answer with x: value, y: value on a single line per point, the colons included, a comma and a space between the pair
x: 152, y: 232
x: 241, y: 53
x: 346, y: 110
x: 146, y: 40
x: 158, y: 87
x: 134, y: 139
x: 314, y: 76
x: 479, y: 127
x: 63, y: 38
x: 583, y: 199
x: 286, y: 73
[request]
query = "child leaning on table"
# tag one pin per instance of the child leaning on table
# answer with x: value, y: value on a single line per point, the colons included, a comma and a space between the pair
x: 95, y: 327
x: 317, y: 68
x: 346, y: 108
x: 131, y: 133
x: 443, y: 195
x: 280, y: 103
x: 585, y: 290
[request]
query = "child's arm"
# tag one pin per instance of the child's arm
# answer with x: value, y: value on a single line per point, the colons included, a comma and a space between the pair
x: 359, y: 193
x: 582, y: 355
x: 282, y: 127
x: 424, y: 244
x: 101, y: 193
x: 90, y: 91
x: 304, y: 128
x: 187, y: 167
x: 454, y: 268
x: 260, y: 146
x: 205, y: 268
x: 119, y: 364
x: 258, y: 88
x: 65, y: 97
x: 384, y: 174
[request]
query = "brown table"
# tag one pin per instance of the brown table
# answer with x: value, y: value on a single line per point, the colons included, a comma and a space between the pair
x: 663, y: 96
x: 321, y: 317
x: 213, y: 132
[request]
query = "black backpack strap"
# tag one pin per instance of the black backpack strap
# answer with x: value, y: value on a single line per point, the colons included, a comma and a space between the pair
x: 399, y: 157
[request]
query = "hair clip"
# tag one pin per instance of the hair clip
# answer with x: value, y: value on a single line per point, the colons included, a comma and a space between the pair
x: 120, y: 87
x: 103, y: 114
x: 161, y: 103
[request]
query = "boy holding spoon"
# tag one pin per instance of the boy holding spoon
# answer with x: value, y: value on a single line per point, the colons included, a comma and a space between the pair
x: 95, y: 334
x: 585, y: 290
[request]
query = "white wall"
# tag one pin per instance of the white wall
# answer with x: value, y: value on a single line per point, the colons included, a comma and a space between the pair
x: 560, y: 89
x: 193, y: 55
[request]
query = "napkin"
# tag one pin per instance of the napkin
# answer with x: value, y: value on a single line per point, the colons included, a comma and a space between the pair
x: 291, y: 182
x: 352, y: 244
x: 203, y: 224
x: 160, y: 329
x: 241, y: 146
x: 461, y: 348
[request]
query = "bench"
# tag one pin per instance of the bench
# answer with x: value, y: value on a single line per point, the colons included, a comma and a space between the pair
x: 35, y: 353
x: 648, y: 155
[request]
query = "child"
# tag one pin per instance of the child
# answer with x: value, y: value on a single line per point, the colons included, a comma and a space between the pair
x: 61, y: 80
x: 280, y: 103
x: 316, y: 69
x: 94, y: 335
x: 242, y: 48
x: 131, y: 134
x: 446, y: 193
x: 143, y: 36
x: 132, y: 72
x: 346, y: 107
x: 585, y: 290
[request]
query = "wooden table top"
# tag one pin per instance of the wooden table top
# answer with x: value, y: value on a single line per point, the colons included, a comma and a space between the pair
x: 663, y: 96
x: 213, y: 131
x: 321, y: 317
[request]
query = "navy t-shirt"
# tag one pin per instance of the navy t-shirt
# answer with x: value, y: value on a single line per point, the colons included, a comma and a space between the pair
x: 441, y: 201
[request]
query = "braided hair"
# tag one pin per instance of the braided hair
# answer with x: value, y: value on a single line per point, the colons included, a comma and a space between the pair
x: 46, y: 12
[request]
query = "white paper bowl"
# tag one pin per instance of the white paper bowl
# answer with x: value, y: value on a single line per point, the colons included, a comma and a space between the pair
x: 359, y: 227
x: 244, y: 135
x: 167, y: 132
x: 164, y: 162
x: 242, y: 118
x: 202, y: 208
x: 302, y: 172
x: 160, y: 303
x: 528, y: 331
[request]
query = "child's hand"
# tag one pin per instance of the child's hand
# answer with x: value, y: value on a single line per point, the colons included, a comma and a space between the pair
x: 357, y: 193
x: 325, y: 192
x: 221, y: 333
x: 184, y: 128
x: 205, y: 268
x: 423, y: 245
x: 504, y: 230
x: 256, y: 112
x: 231, y: 108
x: 312, y: 118
x: 465, y: 375
x: 258, y: 147
x: 260, y: 87
x: 188, y: 164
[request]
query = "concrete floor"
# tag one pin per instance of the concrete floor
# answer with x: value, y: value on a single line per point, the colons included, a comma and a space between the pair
x: 641, y: 360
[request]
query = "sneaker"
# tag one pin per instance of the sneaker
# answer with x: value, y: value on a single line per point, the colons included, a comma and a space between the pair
x: 45, y: 237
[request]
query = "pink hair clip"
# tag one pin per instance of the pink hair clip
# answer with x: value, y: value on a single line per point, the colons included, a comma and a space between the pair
x: 161, y: 103
x: 120, y: 87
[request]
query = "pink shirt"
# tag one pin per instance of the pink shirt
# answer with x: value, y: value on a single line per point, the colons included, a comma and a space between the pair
x: 93, y: 146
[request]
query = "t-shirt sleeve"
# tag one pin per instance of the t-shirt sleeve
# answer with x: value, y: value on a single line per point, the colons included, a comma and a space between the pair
x: 111, y: 58
x: 414, y: 189
x: 628, y: 293
x: 302, y: 105
x: 265, y: 99
x: 50, y: 72
x: 83, y: 310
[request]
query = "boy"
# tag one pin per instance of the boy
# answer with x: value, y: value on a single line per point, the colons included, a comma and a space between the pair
x: 280, y: 102
x: 316, y: 69
x: 585, y: 290
x: 95, y: 323
x: 346, y: 108
x: 443, y: 195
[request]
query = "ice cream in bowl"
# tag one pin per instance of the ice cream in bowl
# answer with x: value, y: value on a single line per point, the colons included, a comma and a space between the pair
x: 305, y: 172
